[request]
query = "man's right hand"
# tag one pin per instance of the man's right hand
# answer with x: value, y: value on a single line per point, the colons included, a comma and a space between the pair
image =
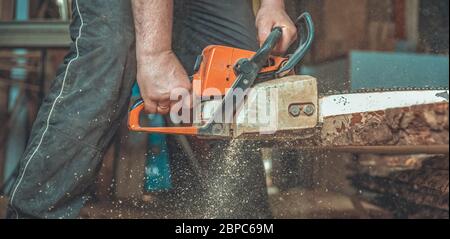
x: 159, y: 76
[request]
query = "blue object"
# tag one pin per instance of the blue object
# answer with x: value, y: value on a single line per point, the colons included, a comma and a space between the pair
x: 387, y: 70
x: 157, y: 168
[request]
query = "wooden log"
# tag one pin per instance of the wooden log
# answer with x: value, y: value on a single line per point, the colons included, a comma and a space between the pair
x: 417, y: 125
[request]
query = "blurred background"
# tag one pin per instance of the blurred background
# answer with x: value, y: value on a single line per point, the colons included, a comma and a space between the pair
x: 360, y: 44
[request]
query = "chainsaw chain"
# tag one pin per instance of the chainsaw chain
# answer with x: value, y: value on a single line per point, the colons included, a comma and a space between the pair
x: 380, y: 90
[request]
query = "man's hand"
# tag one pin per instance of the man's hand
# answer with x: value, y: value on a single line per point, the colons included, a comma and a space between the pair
x: 272, y: 14
x: 160, y: 76
x: 159, y: 72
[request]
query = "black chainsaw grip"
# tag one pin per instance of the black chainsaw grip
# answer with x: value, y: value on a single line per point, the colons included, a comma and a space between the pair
x: 261, y: 56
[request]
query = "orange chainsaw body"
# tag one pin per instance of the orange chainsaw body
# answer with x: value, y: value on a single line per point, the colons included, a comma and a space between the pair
x: 215, y: 69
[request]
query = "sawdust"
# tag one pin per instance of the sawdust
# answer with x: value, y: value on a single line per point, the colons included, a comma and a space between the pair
x: 220, y: 188
x: 234, y: 189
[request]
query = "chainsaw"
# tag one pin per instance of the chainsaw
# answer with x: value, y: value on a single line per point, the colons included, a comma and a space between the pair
x: 227, y: 69
x: 296, y: 104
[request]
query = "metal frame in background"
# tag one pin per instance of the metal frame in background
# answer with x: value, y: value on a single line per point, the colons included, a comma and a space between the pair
x: 36, y: 34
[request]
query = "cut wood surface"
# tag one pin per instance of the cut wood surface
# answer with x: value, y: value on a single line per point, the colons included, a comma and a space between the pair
x: 417, y: 125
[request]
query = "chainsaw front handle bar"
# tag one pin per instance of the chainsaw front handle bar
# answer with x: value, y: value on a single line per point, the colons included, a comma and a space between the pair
x: 134, y: 123
x: 306, y: 30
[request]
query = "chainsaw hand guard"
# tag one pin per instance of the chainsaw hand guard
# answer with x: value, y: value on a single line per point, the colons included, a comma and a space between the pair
x: 306, y: 30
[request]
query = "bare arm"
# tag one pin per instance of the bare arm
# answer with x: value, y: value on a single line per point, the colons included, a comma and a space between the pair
x: 153, y: 25
x: 159, y: 72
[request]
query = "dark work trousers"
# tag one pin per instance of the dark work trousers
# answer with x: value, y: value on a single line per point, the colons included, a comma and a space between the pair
x: 90, y: 97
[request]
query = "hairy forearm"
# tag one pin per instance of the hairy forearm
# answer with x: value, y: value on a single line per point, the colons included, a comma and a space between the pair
x: 153, y: 21
x: 273, y: 3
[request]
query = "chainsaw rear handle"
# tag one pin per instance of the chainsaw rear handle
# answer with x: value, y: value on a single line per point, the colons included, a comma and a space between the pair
x: 135, y: 125
x: 306, y: 30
